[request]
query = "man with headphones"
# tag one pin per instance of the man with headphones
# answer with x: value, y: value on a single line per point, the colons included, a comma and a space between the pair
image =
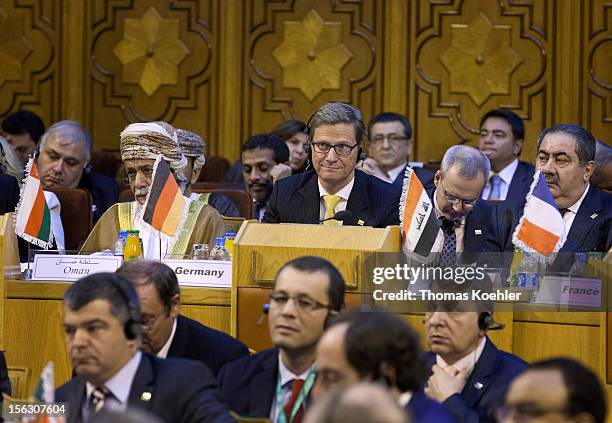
x: 335, y: 137
x: 101, y: 317
x: 277, y: 383
x: 468, y: 374
x: 376, y: 347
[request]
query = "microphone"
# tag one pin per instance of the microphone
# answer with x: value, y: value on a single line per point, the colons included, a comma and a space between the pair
x: 342, y: 216
x: 265, y: 310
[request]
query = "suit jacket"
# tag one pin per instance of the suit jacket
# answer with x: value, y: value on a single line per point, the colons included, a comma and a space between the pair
x: 296, y: 199
x: 195, y: 341
x: 426, y: 177
x: 181, y: 391
x: 486, y: 386
x: 592, y: 226
x: 425, y: 410
x: 519, y: 186
x: 10, y: 194
x: 248, y: 385
x: 104, y: 190
x: 5, y: 382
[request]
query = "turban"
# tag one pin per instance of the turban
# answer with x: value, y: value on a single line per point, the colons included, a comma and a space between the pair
x: 193, y: 146
x: 146, y: 141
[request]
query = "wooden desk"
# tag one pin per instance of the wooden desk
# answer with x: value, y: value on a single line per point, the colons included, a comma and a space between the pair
x: 34, y: 334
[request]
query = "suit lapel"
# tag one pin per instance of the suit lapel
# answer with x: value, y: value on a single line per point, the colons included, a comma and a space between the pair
x: 479, y: 379
x: 180, y: 342
x: 308, y: 208
x: 581, y: 226
x: 359, y: 202
x: 77, y: 396
x: 519, y: 180
x: 143, y: 385
x: 263, y: 386
x: 475, y: 231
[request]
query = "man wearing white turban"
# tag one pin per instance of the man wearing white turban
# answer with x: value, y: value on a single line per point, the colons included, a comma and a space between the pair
x: 141, y: 144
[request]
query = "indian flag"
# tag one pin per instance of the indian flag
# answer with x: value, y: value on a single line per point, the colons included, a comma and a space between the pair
x: 541, y: 228
x: 417, y: 217
x: 32, y: 218
x: 165, y: 205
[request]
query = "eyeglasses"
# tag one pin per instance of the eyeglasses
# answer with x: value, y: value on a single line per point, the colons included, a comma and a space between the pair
x: 303, y: 302
x: 392, y: 138
x: 525, y: 412
x: 340, y: 149
x: 454, y: 200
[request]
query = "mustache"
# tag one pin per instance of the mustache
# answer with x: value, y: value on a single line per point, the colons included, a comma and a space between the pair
x: 139, y: 193
x: 550, y: 179
x: 266, y: 183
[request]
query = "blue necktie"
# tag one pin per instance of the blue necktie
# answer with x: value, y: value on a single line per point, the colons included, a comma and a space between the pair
x: 495, y: 193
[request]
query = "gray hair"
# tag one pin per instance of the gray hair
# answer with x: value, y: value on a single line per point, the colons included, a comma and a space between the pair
x: 470, y: 160
x: 334, y: 113
x: 9, y: 163
x: 69, y: 131
x: 585, y: 141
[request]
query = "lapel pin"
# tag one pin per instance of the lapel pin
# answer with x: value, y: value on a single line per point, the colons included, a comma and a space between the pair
x: 360, y: 222
x: 478, y: 385
x: 594, y: 215
x: 145, y: 396
x: 477, y: 231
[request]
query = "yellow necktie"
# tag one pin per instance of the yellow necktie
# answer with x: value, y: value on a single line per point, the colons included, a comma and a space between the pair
x: 331, y: 201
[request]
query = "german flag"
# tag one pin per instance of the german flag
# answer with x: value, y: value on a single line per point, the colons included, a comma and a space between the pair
x: 33, y: 219
x: 165, y: 204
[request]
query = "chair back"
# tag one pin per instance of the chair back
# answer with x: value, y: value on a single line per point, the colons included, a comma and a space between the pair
x: 241, y: 199
x: 76, y: 215
x: 214, y: 169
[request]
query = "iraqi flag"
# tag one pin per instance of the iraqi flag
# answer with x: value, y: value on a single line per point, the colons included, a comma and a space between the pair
x: 32, y: 216
x: 165, y: 206
x: 541, y: 228
x: 417, y: 217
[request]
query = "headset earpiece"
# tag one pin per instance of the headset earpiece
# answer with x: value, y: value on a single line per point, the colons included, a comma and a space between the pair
x: 486, y: 322
x: 131, y: 328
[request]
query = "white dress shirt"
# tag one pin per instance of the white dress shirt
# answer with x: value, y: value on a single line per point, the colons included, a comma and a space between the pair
x: 505, y: 176
x: 119, y: 386
x: 570, y: 214
x: 392, y: 174
x: 286, y: 376
x: 467, y: 362
x: 163, y: 353
x: 344, y: 194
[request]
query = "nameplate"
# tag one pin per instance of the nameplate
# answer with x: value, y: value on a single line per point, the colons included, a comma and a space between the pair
x: 566, y: 291
x: 48, y: 267
x: 205, y: 273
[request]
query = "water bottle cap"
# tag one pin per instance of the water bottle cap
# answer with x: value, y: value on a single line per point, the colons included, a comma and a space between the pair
x: 220, y: 240
x: 230, y: 234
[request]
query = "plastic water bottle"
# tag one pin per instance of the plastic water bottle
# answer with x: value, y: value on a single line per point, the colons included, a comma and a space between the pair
x: 120, y: 244
x: 219, y: 252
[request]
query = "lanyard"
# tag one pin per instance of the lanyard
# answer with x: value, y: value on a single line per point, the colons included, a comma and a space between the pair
x: 282, y: 418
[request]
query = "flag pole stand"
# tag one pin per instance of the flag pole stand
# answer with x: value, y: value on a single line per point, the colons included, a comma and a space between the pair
x: 29, y: 271
x: 160, y: 245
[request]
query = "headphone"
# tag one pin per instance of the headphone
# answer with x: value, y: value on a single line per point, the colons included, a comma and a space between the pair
x: 486, y: 322
x: 131, y: 328
x: 361, y: 154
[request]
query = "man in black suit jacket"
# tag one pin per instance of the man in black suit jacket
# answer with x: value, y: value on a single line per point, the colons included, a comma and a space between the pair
x: 336, y: 133
x: 468, y: 374
x: 501, y: 140
x: 307, y: 290
x: 469, y: 225
x: 102, y: 323
x: 166, y: 333
x: 389, y: 142
x: 65, y: 151
x: 566, y: 156
x: 10, y: 194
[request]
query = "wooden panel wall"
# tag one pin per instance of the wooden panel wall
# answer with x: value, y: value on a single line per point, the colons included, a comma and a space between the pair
x: 231, y: 68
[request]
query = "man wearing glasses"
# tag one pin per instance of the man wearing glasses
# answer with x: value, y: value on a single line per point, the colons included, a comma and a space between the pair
x: 276, y: 383
x: 389, y: 141
x: 335, y: 135
x: 467, y: 224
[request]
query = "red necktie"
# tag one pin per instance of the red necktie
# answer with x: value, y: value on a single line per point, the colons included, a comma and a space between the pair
x: 296, y: 387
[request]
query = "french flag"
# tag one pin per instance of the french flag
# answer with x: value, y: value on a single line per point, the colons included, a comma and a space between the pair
x: 541, y: 228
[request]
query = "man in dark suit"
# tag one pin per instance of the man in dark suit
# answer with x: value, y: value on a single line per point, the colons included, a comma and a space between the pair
x: 10, y: 194
x: 165, y: 332
x: 307, y: 290
x: 376, y: 347
x: 602, y: 174
x: 566, y: 156
x: 65, y: 151
x: 469, y: 225
x: 336, y: 134
x: 389, y: 142
x: 501, y: 140
x: 468, y: 374
x: 101, y: 319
